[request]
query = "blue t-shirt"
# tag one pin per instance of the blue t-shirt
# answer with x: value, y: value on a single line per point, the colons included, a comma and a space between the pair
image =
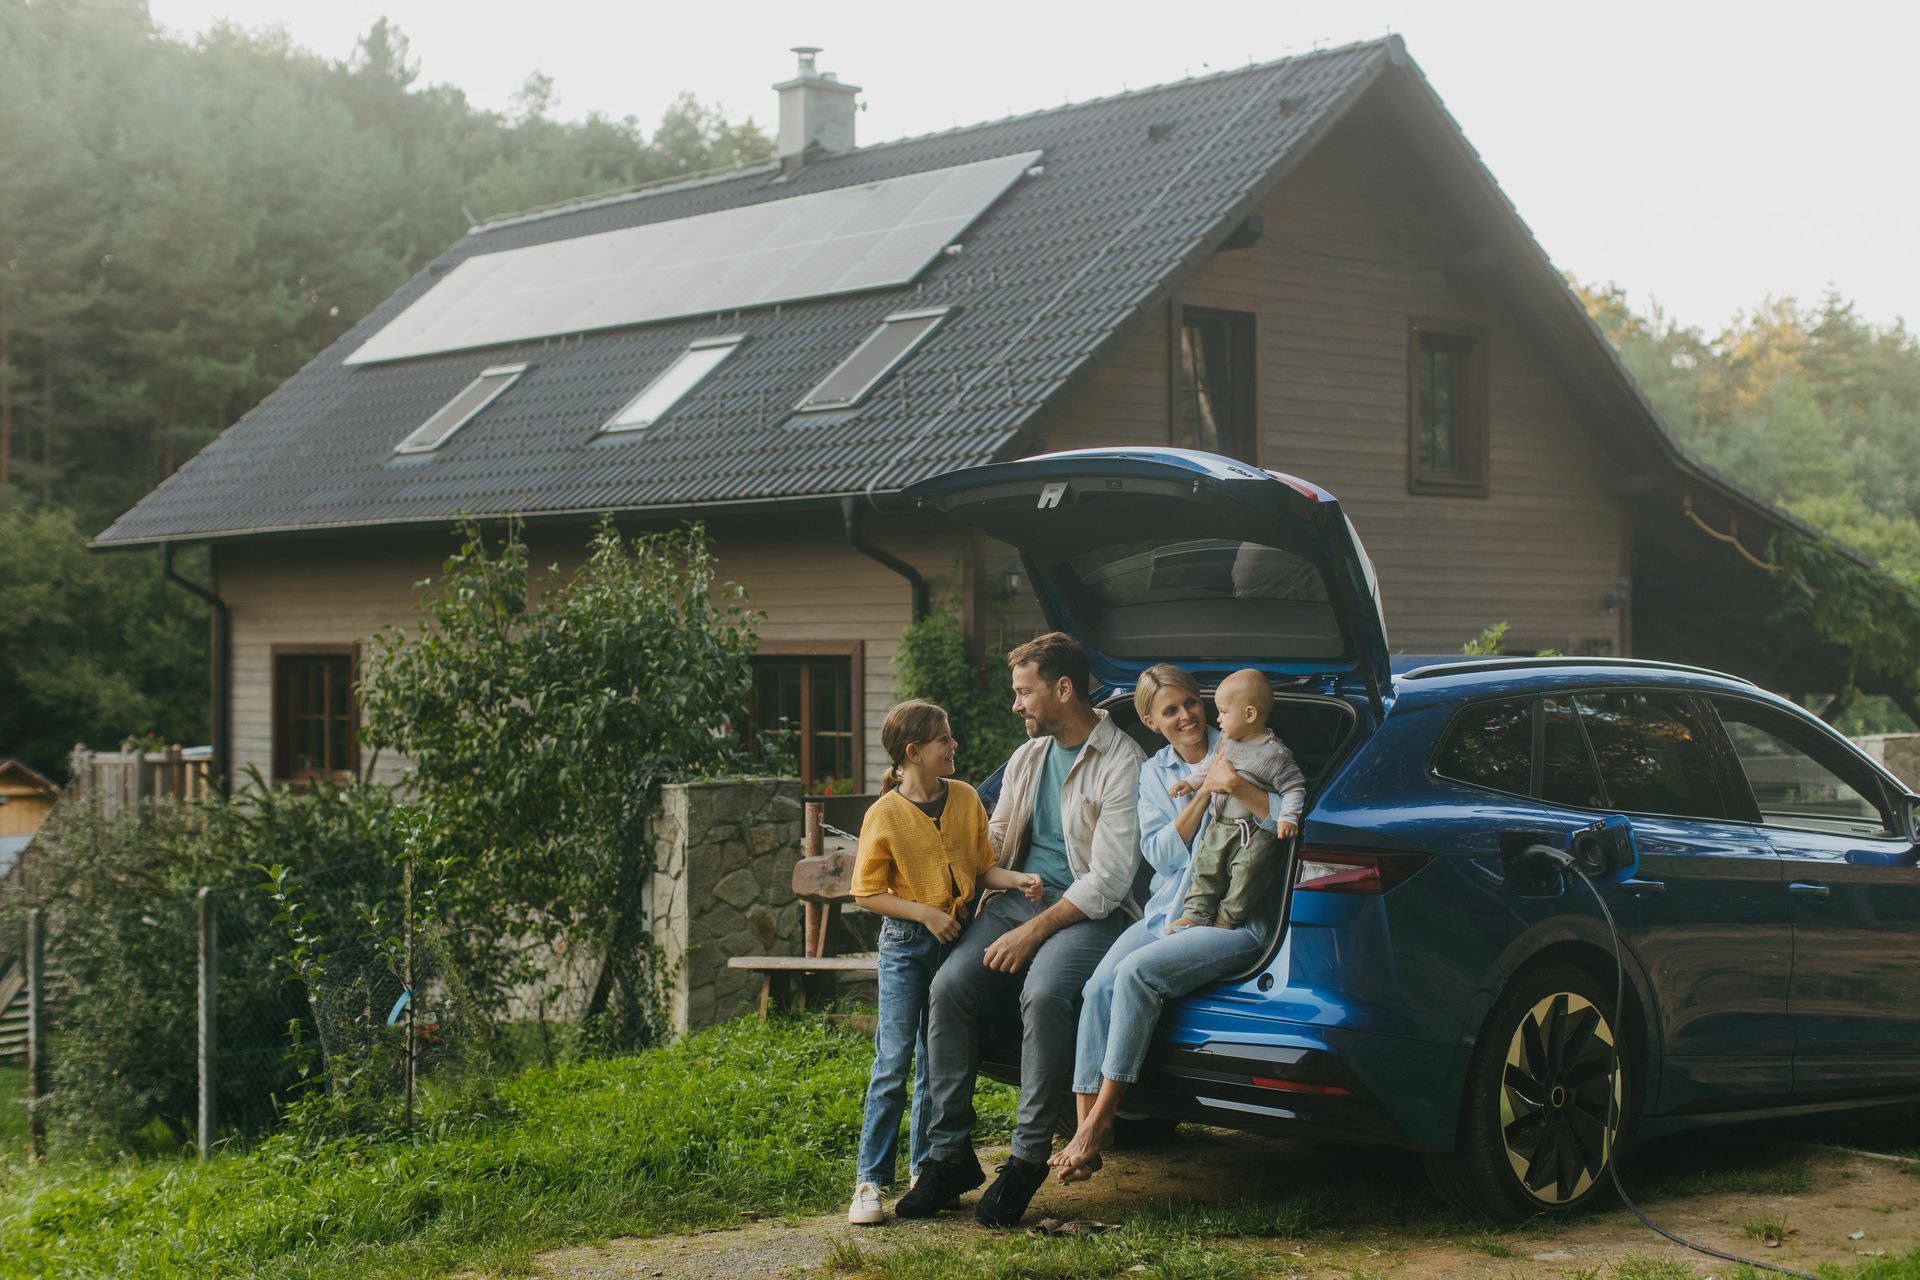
x: 1047, y: 858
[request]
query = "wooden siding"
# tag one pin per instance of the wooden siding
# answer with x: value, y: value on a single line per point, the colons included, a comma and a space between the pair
x: 816, y: 592
x: 1351, y: 252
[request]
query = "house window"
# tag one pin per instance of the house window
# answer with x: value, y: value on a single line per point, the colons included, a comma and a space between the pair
x: 688, y: 370
x: 1446, y: 409
x: 811, y: 697
x: 462, y: 409
x: 1213, y: 383
x: 873, y: 360
x: 315, y: 719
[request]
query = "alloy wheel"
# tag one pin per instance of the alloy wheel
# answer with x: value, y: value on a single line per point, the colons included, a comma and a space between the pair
x: 1560, y: 1105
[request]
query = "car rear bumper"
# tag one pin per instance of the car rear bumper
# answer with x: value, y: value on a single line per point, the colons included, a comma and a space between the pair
x: 1288, y: 1079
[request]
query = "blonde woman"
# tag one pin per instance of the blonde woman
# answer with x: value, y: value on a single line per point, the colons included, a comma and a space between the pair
x: 1147, y: 967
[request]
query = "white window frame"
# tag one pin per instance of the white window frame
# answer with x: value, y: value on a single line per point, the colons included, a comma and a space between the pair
x: 419, y: 442
x: 809, y: 404
x: 663, y: 388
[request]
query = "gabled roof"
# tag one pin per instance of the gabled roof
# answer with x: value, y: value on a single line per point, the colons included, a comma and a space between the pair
x: 21, y: 778
x: 1134, y: 190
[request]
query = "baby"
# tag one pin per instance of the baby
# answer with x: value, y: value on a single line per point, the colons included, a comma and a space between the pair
x: 1236, y: 858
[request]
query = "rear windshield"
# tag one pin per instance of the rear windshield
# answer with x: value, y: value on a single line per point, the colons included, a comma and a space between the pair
x: 1243, y: 599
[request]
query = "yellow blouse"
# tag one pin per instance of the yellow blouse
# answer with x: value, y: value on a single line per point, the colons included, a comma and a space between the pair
x: 903, y: 853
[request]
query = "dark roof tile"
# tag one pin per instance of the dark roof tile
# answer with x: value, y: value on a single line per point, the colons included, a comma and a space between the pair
x: 1045, y: 279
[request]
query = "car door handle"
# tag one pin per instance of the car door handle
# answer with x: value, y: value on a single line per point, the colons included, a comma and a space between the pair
x: 1644, y: 888
x: 1802, y: 889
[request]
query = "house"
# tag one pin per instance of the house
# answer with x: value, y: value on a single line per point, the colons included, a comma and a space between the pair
x: 1302, y: 264
x: 26, y: 797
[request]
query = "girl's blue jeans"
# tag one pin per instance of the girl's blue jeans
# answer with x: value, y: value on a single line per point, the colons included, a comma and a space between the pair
x: 1143, y: 970
x: 909, y: 957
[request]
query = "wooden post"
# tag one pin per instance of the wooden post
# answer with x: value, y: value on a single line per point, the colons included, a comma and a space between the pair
x: 174, y: 781
x: 37, y: 1080
x: 814, y: 923
x: 209, y: 972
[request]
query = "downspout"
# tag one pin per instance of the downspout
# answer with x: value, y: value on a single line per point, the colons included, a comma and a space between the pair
x: 222, y: 655
x: 850, y: 508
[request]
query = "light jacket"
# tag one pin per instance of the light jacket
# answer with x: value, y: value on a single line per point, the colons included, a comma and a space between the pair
x: 1097, y: 816
x: 1171, y: 857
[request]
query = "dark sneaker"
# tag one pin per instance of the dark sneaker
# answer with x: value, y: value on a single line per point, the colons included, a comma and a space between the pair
x: 1007, y: 1199
x: 940, y: 1183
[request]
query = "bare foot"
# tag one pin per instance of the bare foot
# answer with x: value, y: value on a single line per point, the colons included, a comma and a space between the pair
x: 1080, y: 1158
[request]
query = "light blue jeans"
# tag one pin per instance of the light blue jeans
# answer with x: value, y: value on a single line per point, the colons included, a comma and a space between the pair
x: 1144, y: 969
x: 909, y: 957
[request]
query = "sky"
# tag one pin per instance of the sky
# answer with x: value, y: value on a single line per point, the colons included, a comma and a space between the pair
x: 1703, y: 156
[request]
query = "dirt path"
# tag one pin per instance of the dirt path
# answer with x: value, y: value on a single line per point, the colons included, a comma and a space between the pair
x: 1358, y: 1214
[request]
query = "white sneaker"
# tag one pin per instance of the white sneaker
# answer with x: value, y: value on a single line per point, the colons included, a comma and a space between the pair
x: 865, y: 1211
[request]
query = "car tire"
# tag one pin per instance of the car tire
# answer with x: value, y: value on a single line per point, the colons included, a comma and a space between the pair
x: 1532, y: 1134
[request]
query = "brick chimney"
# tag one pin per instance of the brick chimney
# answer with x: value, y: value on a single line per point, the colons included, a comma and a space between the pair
x: 816, y: 112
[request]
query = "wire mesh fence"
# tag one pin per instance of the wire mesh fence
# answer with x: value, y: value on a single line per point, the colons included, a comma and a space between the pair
x: 180, y: 1019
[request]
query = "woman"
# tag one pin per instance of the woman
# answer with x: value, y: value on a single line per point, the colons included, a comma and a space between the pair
x: 1146, y: 966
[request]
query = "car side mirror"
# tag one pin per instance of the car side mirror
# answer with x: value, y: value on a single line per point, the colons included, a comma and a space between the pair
x: 1909, y: 815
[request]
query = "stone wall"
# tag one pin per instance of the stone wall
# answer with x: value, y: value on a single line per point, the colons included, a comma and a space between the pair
x: 723, y: 886
x: 1899, y: 752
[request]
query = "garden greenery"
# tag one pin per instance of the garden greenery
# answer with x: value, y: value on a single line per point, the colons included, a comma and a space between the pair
x: 120, y: 897
x: 932, y: 663
x: 539, y: 736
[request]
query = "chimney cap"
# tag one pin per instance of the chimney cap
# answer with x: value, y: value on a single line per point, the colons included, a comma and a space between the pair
x: 806, y: 52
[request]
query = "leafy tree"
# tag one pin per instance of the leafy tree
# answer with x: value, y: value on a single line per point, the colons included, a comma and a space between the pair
x: 93, y: 648
x: 539, y: 736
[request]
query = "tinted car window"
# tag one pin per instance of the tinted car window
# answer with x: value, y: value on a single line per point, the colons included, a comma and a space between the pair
x: 1490, y: 745
x: 1567, y: 776
x: 1794, y: 776
x: 1652, y: 753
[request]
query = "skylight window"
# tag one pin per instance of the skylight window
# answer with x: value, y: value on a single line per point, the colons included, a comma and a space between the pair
x: 462, y: 409
x: 687, y: 371
x: 886, y: 347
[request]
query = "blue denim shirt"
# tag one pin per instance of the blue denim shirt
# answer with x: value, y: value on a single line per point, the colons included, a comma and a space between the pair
x: 1171, y: 857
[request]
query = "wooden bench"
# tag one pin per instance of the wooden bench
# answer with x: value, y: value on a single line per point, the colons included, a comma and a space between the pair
x: 823, y: 880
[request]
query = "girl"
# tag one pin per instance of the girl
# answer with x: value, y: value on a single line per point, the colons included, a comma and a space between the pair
x: 923, y: 851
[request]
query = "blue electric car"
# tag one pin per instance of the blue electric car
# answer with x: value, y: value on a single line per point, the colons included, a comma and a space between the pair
x: 1444, y: 977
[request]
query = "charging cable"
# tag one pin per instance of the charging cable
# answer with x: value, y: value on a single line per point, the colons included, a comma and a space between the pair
x: 1566, y: 862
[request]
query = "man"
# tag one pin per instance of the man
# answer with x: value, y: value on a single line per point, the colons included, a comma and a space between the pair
x: 1066, y: 812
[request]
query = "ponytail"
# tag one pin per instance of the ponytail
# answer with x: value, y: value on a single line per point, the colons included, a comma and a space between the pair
x: 907, y: 723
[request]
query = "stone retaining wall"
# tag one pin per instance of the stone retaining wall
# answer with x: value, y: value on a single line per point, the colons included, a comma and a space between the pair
x: 1900, y: 752
x: 723, y: 886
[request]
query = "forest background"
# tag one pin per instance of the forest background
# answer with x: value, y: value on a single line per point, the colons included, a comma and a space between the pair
x: 184, y: 224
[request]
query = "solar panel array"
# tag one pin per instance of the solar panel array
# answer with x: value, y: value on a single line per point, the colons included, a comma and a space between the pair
x: 872, y: 236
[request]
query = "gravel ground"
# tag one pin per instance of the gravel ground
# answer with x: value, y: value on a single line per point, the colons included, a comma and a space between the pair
x: 1847, y: 1193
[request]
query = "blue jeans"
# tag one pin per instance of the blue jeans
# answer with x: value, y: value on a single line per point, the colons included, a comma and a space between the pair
x: 1049, y: 987
x: 1144, y: 969
x: 909, y: 957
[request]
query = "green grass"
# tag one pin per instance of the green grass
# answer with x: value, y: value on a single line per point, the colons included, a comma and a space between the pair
x: 1490, y: 1244
x: 1639, y: 1266
x: 740, y: 1117
x: 13, y: 1114
x: 1767, y: 1227
x: 1118, y: 1253
x: 1750, y: 1162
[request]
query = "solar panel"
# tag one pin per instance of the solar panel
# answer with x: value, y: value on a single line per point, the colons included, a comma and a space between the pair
x: 877, y: 235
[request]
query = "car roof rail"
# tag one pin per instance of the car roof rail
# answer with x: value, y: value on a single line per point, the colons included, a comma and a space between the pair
x: 1474, y: 666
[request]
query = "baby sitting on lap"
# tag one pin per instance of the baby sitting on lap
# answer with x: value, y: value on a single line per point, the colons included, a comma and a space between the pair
x: 1236, y: 858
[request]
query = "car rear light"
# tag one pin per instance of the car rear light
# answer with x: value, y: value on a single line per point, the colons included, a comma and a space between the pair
x: 1301, y: 1086
x: 1322, y: 871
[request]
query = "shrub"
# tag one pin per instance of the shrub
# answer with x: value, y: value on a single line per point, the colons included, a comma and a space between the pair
x: 120, y: 896
x: 539, y: 737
